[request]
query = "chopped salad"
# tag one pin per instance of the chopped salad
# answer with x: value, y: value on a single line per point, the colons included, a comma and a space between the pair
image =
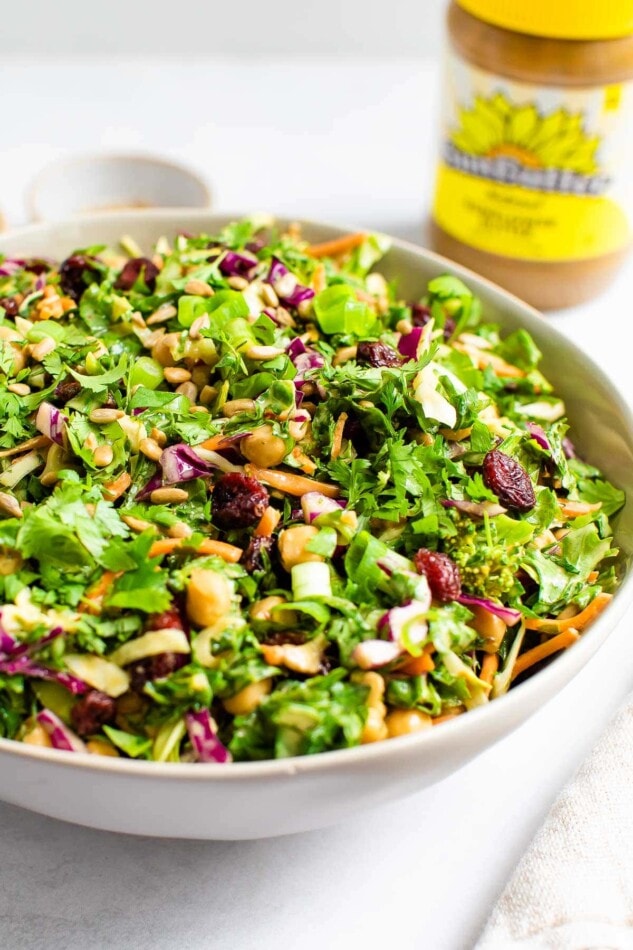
x: 253, y: 504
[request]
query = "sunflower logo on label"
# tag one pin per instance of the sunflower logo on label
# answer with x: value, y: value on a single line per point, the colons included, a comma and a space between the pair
x: 521, y: 145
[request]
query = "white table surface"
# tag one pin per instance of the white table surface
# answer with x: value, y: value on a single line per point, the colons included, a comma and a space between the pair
x: 351, y: 144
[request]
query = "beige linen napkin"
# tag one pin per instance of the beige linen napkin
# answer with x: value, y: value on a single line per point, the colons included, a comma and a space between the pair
x: 573, y: 889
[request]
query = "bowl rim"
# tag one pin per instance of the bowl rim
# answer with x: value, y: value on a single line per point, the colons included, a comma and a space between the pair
x: 39, y: 181
x: 562, y: 668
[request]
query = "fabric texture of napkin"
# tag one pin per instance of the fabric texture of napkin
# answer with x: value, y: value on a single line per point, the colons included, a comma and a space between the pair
x: 573, y: 889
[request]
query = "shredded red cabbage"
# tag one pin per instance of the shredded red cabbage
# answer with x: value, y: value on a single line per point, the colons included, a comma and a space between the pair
x: 538, y: 434
x: 409, y: 343
x: 11, y: 265
x: 372, y: 654
x: 51, y: 422
x: 238, y: 265
x: 298, y: 294
x: 58, y: 732
x: 411, y: 617
x: 507, y: 614
x: 21, y: 648
x: 25, y: 666
x: 204, y: 740
x: 181, y: 464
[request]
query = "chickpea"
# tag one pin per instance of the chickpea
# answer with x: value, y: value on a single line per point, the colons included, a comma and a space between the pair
x: 299, y: 429
x: 162, y: 349
x: 10, y: 563
x: 37, y: 735
x: 376, y: 685
x: 490, y: 627
x: 402, y: 722
x: 292, y: 545
x: 456, y: 435
x: 375, y: 728
x: 200, y: 375
x: 248, y: 698
x: 263, y: 448
x: 263, y: 610
x: 208, y: 597
x: 101, y: 747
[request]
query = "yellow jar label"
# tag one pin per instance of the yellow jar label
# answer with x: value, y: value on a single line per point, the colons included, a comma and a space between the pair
x: 535, y: 173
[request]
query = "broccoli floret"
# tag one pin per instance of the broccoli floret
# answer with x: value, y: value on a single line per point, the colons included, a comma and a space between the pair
x: 488, y: 567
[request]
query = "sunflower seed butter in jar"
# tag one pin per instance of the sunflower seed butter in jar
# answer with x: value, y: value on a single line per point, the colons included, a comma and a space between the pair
x: 535, y: 179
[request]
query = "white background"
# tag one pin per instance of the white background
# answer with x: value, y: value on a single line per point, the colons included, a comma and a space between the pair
x: 212, y: 28
x: 349, y: 140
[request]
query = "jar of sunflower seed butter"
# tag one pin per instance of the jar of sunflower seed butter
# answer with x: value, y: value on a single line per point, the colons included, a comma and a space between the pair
x: 534, y: 186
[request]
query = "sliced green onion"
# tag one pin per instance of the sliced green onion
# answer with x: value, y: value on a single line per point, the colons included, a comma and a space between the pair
x: 338, y: 311
x: 226, y: 305
x: 147, y: 372
x: 311, y: 580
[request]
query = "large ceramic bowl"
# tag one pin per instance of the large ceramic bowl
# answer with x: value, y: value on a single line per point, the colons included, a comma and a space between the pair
x: 261, y: 799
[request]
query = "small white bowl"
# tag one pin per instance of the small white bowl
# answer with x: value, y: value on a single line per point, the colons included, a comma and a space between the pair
x: 90, y: 183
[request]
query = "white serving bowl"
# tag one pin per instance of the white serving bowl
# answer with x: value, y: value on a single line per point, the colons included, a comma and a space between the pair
x: 262, y: 799
x: 95, y: 183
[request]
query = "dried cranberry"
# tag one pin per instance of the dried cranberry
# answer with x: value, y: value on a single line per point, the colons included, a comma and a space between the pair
x: 37, y: 266
x: 449, y: 328
x: 354, y: 432
x: 92, y: 711
x: 441, y: 572
x: 238, y: 501
x: 132, y: 271
x: 377, y: 354
x: 10, y: 305
x: 168, y: 618
x: 509, y: 481
x: 420, y: 316
x: 154, y: 668
x: 66, y: 390
x: 252, y: 559
x: 75, y: 273
x: 279, y: 638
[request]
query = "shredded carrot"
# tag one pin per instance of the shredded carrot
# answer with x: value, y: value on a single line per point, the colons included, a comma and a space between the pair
x: 304, y: 462
x: 209, y: 547
x: 543, y: 650
x: 579, y: 621
x: 456, y: 435
x: 37, y: 442
x: 114, y: 490
x: 289, y: 483
x: 574, y: 509
x: 267, y: 523
x: 216, y: 442
x: 499, y: 366
x: 319, y: 279
x: 489, y: 667
x: 418, y: 665
x: 91, y: 602
x: 337, y: 439
x: 337, y: 246
x: 592, y: 577
x: 456, y: 711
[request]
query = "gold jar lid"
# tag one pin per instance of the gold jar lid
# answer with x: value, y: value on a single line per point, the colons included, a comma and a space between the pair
x: 560, y: 19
